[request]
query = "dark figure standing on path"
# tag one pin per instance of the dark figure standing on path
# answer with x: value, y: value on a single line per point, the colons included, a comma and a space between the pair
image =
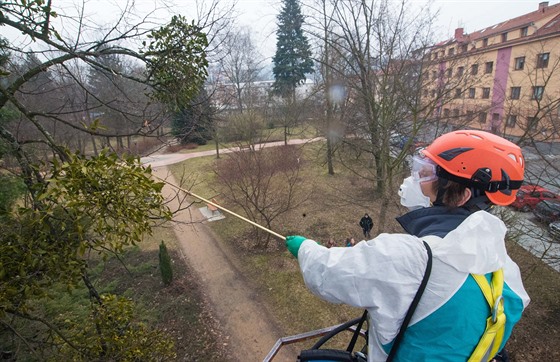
x: 367, y: 224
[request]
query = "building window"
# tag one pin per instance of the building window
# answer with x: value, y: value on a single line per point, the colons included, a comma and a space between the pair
x: 433, y: 92
x: 446, y: 112
x: 435, y: 55
x: 542, y: 60
x: 519, y: 63
x: 449, y: 72
x: 472, y: 93
x: 485, y: 93
x: 515, y: 92
x: 532, y: 123
x: 504, y: 37
x: 456, y: 112
x: 482, y: 117
x: 460, y: 71
x: 469, y: 115
x: 537, y: 93
x: 524, y: 31
x: 474, y: 69
x: 434, y: 74
x: 464, y: 48
x: 485, y: 42
x: 489, y: 67
x: 458, y: 93
x: 511, y: 121
x: 451, y: 51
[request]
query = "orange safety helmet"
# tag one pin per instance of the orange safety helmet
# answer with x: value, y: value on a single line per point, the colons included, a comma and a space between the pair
x: 481, y: 160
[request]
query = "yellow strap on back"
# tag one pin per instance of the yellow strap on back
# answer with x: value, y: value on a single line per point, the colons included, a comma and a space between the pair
x: 490, y: 342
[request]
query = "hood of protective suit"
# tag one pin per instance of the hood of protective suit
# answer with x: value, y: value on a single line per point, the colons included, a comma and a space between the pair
x: 476, y: 245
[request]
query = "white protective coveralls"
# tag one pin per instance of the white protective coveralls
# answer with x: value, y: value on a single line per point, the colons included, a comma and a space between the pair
x: 383, y: 275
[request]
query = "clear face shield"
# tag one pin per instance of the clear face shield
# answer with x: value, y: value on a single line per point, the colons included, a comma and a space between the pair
x: 422, y: 170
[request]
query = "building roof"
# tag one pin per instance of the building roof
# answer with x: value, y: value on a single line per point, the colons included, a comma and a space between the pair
x: 544, y: 12
x: 524, y: 20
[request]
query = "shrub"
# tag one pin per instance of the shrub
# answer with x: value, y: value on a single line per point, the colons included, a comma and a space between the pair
x: 165, y: 264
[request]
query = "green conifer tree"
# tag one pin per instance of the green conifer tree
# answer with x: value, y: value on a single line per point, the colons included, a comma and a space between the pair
x: 292, y: 60
x: 165, y: 264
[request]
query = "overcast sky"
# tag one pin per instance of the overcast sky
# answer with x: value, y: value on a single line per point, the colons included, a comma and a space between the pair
x: 477, y: 14
x: 472, y: 15
x: 260, y: 15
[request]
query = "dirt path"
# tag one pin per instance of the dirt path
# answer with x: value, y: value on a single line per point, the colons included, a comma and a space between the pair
x: 250, y: 331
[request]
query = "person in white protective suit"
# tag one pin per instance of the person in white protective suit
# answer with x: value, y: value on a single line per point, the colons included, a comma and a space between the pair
x: 454, y: 181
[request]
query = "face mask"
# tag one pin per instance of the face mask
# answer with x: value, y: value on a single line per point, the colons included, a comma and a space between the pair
x: 412, y: 196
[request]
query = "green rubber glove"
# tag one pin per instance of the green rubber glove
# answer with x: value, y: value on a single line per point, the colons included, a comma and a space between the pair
x: 293, y: 243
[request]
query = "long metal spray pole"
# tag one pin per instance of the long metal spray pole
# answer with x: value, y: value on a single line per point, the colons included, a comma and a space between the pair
x: 221, y: 208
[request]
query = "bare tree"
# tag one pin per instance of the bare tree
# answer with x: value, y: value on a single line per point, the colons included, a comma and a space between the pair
x: 264, y: 183
x: 241, y: 65
x: 323, y: 31
x: 373, y: 51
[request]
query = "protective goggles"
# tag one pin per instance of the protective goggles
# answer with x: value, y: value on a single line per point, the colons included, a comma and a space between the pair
x: 423, y: 169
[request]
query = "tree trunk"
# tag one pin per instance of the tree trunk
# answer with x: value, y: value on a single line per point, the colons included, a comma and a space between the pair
x: 217, y: 146
x: 330, y: 155
x: 328, y: 103
x: 94, y: 145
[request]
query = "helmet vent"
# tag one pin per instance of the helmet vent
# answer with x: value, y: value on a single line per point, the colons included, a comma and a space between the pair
x: 513, y: 157
x: 454, y: 152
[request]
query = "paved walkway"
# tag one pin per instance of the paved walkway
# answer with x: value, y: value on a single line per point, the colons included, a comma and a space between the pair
x: 157, y: 160
x: 536, y: 239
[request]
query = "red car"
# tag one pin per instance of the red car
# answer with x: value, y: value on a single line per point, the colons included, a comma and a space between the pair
x: 529, y: 196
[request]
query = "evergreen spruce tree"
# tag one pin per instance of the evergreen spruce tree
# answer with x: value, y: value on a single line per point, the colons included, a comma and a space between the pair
x: 165, y: 264
x: 293, y: 56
